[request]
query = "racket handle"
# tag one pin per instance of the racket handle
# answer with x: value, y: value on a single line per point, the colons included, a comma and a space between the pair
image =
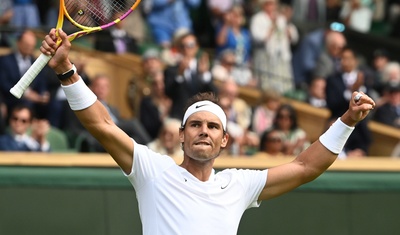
x: 18, y: 89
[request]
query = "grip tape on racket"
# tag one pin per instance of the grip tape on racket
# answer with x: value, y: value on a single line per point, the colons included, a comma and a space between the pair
x: 18, y: 89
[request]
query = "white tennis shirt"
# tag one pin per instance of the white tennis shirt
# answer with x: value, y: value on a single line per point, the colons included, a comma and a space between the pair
x: 173, y: 201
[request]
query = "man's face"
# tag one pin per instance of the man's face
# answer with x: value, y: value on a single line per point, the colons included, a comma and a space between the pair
x: 26, y: 45
x: 189, y: 46
x: 203, y: 136
x: 20, y: 121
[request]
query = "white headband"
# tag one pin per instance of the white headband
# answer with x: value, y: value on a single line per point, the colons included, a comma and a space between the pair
x: 208, y: 106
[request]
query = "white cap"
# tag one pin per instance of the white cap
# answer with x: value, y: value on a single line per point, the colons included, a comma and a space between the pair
x: 208, y: 106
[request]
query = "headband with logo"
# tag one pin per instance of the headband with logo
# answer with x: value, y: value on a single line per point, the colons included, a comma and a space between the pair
x: 208, y: 106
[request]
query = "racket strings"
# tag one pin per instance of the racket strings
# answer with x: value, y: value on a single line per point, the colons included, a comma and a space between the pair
x: 93, y: 13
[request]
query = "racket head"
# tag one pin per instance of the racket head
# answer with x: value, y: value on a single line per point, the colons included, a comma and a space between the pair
x: 96, y: 15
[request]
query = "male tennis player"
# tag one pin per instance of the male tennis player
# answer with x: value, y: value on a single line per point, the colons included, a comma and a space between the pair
x: 192, y: 198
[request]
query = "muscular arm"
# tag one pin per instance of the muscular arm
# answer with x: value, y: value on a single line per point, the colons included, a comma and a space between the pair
x: 95, y: 118
x: 312, y: 162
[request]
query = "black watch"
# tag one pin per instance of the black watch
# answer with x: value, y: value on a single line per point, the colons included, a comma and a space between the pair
x: 67, y: 74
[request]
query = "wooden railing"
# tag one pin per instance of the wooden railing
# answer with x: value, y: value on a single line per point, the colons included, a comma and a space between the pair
x: 258, y: 161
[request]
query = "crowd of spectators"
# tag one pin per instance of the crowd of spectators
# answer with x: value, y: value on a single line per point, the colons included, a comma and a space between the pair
x: 293, y: 48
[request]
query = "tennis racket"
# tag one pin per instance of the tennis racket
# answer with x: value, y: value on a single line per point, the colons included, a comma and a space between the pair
x: 88, y: 15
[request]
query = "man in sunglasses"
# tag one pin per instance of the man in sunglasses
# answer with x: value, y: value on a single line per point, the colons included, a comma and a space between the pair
x: 190, y: 76
x: 25, y: 132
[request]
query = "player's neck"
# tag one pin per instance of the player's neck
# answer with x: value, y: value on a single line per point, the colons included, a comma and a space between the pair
x: 199, y: 169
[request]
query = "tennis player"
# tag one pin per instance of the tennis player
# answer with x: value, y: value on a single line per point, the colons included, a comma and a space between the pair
x: 192, y: 198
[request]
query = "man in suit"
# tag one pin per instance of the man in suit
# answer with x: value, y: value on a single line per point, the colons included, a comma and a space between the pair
x: 389, y: 113
x: 189, y: 77
x: 13, y: 66
x: 339, y: 88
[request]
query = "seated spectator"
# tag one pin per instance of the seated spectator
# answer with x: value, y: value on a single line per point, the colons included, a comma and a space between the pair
x: 265, y: 111
x: 154, y: 108
x: 168, y: 141
x: 6, y: 14
x: 100, y: 85
x: 226, y: 68
x: 389, y: 113
x: 14, y: 65
x: 21, y: 121
x: 328, y: 62
x: 380, y: 60
x: 271, y: 142
x: 294, y: 138
x: 238, y: 114
x: 316, y: 93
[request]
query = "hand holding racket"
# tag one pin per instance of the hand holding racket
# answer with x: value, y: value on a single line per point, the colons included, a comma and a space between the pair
x: 88, y: 15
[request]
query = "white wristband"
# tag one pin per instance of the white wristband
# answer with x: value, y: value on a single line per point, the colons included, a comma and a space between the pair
x: 336, y: 136
x: 79, y: 96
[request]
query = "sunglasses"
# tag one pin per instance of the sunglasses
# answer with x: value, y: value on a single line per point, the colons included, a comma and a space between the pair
x: 188, y: 45
x: 16, y: 119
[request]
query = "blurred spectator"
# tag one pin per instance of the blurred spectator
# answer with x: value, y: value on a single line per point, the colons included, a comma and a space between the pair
x: 26, y: 14
x: 231, y: 34
x: 309, y: 12
x: 116, y: 39
x: 100, y: 85
x: 272, y: 143
x: 155, y: 107
x: 189, y: 77
x: 13, y: 66
x: 389, y: 113
x: 21, y: 122
x: 168, y: 141
x: 390, y: 77
x: 265, y: 111
x: 306, y: 55
x: 165, y: 17
x: 339, y: 88
x: 357, y: 15
x: 328, y: 62
x: 238, y: 114
x: 226, y: 68
x: 294, y: 138
x: 140, y: 86
x: 219, y: 8
x: 6, y: 14
x: 379, y: 62
x: 316, y: 95
x: 273, y: 37
x: 391, y: 73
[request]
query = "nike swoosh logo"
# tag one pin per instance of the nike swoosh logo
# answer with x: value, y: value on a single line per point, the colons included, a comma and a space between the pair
x: 198, y: 106
x: 223, y: 187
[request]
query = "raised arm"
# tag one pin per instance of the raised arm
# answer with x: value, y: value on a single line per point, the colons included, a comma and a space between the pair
x: 312, y: 162
x: 91, y: 113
